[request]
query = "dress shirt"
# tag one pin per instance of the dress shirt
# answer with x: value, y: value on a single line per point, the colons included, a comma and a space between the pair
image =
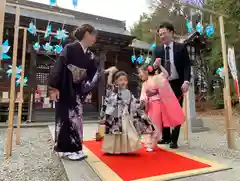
x: 174, y: 74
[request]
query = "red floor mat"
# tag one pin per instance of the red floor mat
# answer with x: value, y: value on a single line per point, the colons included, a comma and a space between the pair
x: 144, y: 164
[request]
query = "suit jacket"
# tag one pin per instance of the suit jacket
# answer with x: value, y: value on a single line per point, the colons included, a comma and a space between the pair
x: 181, y: 60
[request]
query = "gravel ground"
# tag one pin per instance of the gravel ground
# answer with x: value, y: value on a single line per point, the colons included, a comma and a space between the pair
x: 33, y: 160
x: 213, y: 145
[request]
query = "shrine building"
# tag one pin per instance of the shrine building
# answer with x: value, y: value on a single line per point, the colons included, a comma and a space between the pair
x: 114, y: 46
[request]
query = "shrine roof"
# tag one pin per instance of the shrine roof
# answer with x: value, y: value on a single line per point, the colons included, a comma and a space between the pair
x: 138, y: 44
x: 75, y: 18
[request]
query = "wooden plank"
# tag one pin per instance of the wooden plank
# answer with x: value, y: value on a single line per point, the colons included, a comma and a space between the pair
x: 21, y: 88
x: 12, y: 90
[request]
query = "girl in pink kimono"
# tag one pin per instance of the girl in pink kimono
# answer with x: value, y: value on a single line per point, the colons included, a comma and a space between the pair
x: 161, y: 104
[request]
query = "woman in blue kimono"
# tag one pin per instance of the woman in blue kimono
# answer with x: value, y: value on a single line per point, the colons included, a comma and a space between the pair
x: 74, y: 75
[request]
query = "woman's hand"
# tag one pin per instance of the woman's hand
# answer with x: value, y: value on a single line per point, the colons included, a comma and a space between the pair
x: 54, y: 94
x: 111, y: 70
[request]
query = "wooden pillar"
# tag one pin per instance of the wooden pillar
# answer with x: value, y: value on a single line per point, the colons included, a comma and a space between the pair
x: 21, y: 87
x: 2, y: 15
x: 101, y: 87
x: 185, y: 109
x: 227, y: 97
x: 32, y: 86
x: 13, y: 79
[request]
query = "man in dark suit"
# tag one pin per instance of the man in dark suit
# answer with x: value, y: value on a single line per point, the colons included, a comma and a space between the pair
x: 175, y: 59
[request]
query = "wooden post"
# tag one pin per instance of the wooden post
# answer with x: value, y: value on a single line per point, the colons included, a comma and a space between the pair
x: 21, y: 87
x: 32, y: 87
x: 227, y: 97
x: 185, y: 101
x: 2, y: 15
x: 12, y: 90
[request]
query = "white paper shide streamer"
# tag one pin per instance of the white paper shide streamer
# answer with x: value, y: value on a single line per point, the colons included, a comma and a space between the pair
x: 232, y: 62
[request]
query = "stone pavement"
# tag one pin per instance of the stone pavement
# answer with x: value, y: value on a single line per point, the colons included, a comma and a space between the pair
x: 210, y: 145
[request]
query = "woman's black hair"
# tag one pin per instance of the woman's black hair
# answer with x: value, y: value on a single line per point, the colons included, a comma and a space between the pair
x: 151, y: 69
x: 80, y: 31
x: 119, y: 74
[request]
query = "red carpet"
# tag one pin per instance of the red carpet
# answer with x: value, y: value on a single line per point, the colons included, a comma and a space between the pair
x: 144, y: 164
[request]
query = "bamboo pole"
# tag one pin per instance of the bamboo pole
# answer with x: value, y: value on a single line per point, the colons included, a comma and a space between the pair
x: 2, y: 15
x: 227, y: 97
x: 12, y: 90
x: 40, y: 10
x: 185, y: 104
x: 21, y: 87
x: 204, y: 9
x: 38, y: 31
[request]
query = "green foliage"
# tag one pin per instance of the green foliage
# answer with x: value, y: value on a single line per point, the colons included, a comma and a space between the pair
x: 145, y: 28
x: 141, y: 29
x: 213, y: 59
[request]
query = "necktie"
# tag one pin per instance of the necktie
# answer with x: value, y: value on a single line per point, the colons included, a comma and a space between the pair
x: 167, y: 60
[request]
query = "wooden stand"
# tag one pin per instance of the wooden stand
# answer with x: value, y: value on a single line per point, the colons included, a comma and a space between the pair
x: 14, y: 63
x: 12, y: 90
x: 227, y: 97
x: 21, y: 87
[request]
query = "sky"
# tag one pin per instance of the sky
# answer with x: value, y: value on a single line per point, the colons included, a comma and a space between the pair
x: 127, y: 10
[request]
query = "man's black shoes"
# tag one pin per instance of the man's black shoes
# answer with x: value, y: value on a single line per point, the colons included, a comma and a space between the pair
x: 173, y: 145
x: 164, y: 142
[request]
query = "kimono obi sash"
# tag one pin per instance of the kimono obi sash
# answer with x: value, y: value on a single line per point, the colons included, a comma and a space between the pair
x: 152, y: 94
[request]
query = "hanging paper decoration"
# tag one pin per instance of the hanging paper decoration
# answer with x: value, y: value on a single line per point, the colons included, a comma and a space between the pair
x: 189, y: 26
x: 209, y: 30
x: 75, y: 3
x: 48, y: 31
x: 140, y: 59
x: 133, y: 58
x: 58, y: 49
x: 18, y: 71
x: 199, y: 28
x: 220, y: 72
x: 18, y: 81
x: 153, y: 47
x: 36, y: 46
x: 148, y: 60
x: 61, y: 34
x: 48, y: 47
x: 52, y: 2
x: 32, y: 29
x: 5, y: 49
x: 18, y: 74
x: 9, y: 71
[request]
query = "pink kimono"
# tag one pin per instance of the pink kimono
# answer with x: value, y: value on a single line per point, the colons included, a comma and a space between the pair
x: 162, y: 106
